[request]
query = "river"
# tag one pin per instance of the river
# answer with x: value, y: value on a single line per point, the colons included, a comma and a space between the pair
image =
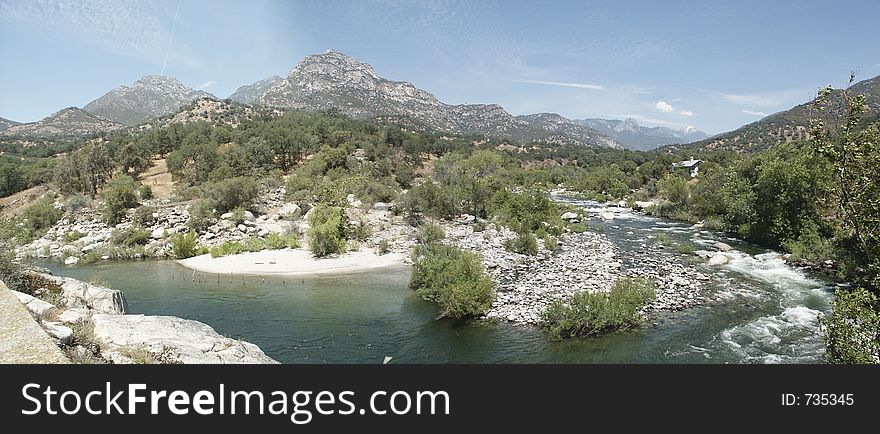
x: 762, y: 311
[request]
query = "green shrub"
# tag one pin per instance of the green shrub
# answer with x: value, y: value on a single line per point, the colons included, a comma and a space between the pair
x: 184, y: 245
x: 664, y: 239
x: 145, y: 192
x: 119, y: 196
x: 577, y: 228
x: 278, y: 241
x: 551, y: 243
x: 237, y: 216
x: 383, y: 247
x: 523, y: 243
x: 591, y: 313
x: 232, y: 193
x: 200, y: 215
x: 360, y: 231
x: 852, y: 331
x: 71, y: 236
x: 41, y: 215
x: 327, y: 231
x: 130, y: 237
x: 686, y: 248
x: 143, y: 215
x: 227, y: 248
x: 454, y: 279
x: 76, y: 202
x: 429, y: 233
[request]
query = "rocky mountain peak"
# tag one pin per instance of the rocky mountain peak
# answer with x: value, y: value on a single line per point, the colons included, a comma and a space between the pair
x: 150, y: 97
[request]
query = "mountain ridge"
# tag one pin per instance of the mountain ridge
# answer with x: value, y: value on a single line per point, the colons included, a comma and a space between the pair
x: 335, y: 80
x: 67, y: 122
x: 148, y: 98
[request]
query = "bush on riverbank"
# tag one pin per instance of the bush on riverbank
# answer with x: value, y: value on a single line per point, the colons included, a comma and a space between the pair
x: 120, y: 195
x: 454, y: 279
x: 184, y: 245
x: 524, y: 243
x: 255, y: 244
x: 327, y: 231
x: 852, y: 331
x: 587, y: 313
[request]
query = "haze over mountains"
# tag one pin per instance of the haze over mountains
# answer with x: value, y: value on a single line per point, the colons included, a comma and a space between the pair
x: 630, y: 134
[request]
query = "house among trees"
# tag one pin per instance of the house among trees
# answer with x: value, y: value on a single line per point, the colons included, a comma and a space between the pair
x: 692, y: 166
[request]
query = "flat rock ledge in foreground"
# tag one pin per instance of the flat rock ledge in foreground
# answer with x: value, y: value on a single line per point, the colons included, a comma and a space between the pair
x: 174, y: 340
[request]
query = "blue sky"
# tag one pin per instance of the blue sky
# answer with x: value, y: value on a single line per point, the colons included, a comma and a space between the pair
x: 714, y: 65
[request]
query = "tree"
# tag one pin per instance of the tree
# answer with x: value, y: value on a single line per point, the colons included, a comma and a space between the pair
x: 11, y: 178
x: 327, y: 230
x: 854, y: 153
x: 120, y: 195
x: 452, y: 278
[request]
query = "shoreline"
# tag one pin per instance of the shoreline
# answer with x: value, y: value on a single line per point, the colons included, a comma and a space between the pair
x: 291, y: 262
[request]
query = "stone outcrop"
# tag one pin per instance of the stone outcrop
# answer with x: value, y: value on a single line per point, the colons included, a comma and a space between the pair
x: 172, y: 339
x: 95, y: 298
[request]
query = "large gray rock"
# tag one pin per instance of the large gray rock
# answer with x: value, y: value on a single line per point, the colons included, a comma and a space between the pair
x: 35, y: 306
x: 76, y: 293
x: 723, y: 247
x: 568, y: 215
x: 172, y: 339
x: 382, y: 206
x: 718, y: 259
x: 290, y: 211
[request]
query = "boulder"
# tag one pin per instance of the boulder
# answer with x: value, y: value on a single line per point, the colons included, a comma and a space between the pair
x: 248, y: 215
x: 34, y: 305
x: 718, y: 259
x: 71, y: 260
x: 76, y: 293
x: 569, y: 216
x: 467, y: 219
x: 290, y: 211
x: 226, y: 216
x: 607, y: 215
x: 382, y: 206
x: 173, y: 339
x: 73, y: 316
x: 722, y: 247
x: 59, y: 331
x: 158, y: 233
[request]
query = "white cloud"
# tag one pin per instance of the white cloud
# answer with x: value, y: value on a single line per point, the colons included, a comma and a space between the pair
x: 686, y: 113
x: 562, y: 84
x: 754, y: 113
x: 664, y: 107
x: 206, y: 85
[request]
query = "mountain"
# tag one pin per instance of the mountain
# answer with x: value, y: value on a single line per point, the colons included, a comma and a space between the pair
x: 248, y: 93
x: 69, y: 122
x: 6, y: 123
x: 631, y: 135
x: 792, y: 124
x: 334, y: 80
x: 151, y: 97
x: 212, y: 111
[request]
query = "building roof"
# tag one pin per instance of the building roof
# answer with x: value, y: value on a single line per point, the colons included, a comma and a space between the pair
x: 687, y: 163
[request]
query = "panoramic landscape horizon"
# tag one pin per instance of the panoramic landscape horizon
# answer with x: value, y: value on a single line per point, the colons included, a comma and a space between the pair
x: 188, y: 182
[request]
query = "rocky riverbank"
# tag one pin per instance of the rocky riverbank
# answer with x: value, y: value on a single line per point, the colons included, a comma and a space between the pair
x: 90, y: 323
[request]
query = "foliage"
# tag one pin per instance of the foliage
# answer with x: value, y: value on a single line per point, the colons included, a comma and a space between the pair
x: 130, y: 237
x: 551, y: 243
x: 454, y: 279
x: 430, y: 233
x: 327, y: 232
x: 228, y: 194
x: 143, y: 215
x: 184, y: 245
x: 524, y: 243
x: 591, y: 313
x: 686, y: 248
x: 276, y: 241
x: 201, y: 213
x: 852, y: 331
x: 41, y: 215
x: 119, y: 196
x: 71, y: 236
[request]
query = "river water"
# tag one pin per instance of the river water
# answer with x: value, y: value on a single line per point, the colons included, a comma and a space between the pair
x: 762, y: 311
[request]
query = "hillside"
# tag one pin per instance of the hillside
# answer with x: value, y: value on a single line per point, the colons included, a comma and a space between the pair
x: 6, y: 123
x: 248, y: 93
x: 67, y: 123
x: 151, y: 97
x: 788, y: 125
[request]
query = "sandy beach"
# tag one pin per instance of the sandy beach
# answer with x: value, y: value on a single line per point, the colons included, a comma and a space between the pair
x: 291, y: 262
